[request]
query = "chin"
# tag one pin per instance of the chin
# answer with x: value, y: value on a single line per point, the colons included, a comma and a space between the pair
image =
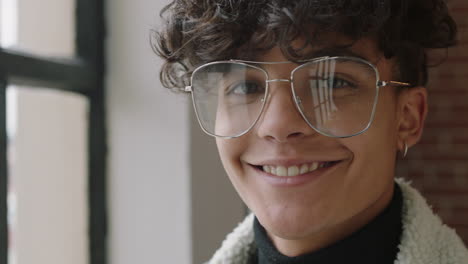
x: 292, y: 223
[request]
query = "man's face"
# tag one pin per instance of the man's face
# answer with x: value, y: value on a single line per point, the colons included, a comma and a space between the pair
x: 359, y: 179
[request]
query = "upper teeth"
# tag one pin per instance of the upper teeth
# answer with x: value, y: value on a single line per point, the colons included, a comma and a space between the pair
x: 293, y: 170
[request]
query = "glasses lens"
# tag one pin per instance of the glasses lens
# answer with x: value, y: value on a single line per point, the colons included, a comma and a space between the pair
x: 336, y: 95
x: 228, y: 97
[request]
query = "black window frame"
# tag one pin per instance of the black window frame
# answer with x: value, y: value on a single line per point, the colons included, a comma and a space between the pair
x: 83, y: 74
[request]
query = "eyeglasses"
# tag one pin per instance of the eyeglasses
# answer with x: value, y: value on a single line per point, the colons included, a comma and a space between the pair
x: 336, y: 96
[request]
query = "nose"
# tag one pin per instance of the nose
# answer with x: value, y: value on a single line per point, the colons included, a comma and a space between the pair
x: 281, y: 121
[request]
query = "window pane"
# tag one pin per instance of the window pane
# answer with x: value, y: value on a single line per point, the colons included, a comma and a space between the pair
x: 8, y: 23
x: 45, y: 27
x: 47, y: 176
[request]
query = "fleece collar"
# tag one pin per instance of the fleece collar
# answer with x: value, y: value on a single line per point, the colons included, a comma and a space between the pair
x: 425, y: 239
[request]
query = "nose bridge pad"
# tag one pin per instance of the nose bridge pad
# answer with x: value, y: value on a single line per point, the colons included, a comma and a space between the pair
x: 298, y: 102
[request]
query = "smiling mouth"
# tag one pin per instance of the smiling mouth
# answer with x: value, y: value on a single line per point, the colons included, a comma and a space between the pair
x: 296, y: 170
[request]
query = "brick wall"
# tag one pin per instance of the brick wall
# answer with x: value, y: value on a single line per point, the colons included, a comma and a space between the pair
x: 438, y: 165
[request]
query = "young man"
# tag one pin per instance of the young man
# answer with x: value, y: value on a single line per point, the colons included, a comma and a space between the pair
x: 310, y: 102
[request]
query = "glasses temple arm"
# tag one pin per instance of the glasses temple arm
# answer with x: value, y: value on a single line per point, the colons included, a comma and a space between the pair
x: 393, y: 83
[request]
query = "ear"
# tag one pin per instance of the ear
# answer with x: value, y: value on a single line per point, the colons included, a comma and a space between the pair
x: 412, y: 108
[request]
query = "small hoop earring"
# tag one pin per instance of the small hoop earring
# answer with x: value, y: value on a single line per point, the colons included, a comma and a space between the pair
x: 405, y: 151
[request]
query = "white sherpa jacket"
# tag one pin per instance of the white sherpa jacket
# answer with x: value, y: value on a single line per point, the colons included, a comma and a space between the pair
x: 425, y: 240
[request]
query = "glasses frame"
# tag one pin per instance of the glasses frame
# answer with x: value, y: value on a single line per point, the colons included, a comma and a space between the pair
x: 252, y: 64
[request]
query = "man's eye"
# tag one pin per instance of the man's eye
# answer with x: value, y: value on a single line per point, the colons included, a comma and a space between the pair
x: 245, y: 88
x: 335, y: 83
x: 338, y: 83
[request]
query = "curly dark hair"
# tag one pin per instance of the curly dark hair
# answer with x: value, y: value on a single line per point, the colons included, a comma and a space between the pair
x: 200, y: 31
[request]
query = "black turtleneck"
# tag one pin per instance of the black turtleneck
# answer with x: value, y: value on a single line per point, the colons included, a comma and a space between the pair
x: 376, y: 242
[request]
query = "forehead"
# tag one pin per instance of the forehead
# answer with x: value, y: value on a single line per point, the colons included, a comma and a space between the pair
x: 365, y: 48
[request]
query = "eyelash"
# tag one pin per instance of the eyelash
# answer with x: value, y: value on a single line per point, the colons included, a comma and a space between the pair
x: 340, y: 80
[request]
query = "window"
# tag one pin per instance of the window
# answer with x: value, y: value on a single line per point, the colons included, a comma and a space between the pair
x: 63, y: 91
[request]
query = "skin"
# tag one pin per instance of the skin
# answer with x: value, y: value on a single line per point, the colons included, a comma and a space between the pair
x: 306, y: 217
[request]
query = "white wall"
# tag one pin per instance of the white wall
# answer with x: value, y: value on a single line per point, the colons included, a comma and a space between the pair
x: 149, y: 187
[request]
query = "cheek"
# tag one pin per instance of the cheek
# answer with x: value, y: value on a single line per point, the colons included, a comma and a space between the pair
x: 373, y: 166
x: 230, y: 152
x: 378, y: 143
x: 385, y: 127
x: 380, y: 139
